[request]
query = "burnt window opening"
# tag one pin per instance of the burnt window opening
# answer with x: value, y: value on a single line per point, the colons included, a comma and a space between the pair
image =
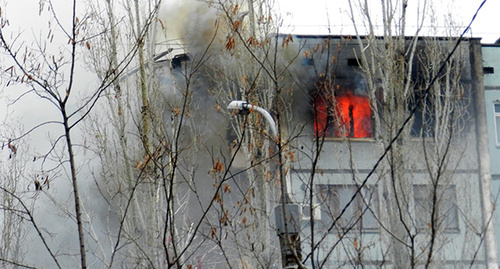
x: 358, y: 215
x: 443, y: 80
x: 488, y: 70
x: 433, y: 105
x: 342, y: 114
x: 424, y: 118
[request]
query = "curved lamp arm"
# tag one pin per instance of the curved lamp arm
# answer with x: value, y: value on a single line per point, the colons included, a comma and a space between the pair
x: 244, y: 106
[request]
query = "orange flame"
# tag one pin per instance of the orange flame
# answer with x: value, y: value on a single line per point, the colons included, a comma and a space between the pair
x: 351, y: 114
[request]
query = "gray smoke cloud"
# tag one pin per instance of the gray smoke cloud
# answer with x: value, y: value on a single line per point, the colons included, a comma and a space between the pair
x: 193, y: 24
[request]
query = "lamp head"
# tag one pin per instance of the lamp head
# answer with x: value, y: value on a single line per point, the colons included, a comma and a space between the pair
x: 241, y: 106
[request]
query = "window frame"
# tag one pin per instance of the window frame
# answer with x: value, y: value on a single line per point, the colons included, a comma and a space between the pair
x: 423, y: 125
x: 496, y: 116
x: 349, y: 222
x: 330, y: 120
x: 452, y: 207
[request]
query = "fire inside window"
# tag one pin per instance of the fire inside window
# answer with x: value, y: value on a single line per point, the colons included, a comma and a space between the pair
x: 343, y: 115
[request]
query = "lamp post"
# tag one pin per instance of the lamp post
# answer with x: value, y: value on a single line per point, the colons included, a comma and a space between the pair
x: 288, y: 214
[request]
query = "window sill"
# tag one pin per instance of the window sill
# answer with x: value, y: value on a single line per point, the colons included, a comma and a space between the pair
x: 355, y: 230
x: 350, y: 139
x: 416, y: 138
x: 444, y: 231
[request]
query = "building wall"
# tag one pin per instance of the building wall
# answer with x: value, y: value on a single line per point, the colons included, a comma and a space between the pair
x: 491, y: 58
x: 344, y: 161
x: 491, y: 61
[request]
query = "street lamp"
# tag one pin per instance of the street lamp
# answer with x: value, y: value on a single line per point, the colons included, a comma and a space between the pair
x: 288, y: 214
x: 244, y: 107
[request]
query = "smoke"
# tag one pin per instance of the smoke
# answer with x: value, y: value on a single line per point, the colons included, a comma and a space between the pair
x: 191, y: 24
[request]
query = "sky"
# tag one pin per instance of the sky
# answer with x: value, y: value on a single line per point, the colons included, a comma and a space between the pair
x: 315, y: 16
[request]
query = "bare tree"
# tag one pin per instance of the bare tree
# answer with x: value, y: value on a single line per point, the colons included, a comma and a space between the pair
x: 404, y: 185
x: 368, y: 165
x: 14, y: 210
x: 50, y: 76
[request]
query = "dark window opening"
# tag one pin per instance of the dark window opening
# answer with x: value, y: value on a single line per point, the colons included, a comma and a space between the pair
x: 344, y: 114
x: 488, y: 70
x: 353, y: 62
x: 427, y: 75
x: 424, y: 118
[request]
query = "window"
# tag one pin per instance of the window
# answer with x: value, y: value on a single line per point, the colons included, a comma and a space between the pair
x: 342, y: 114
x: 445, y: 205
x: 488, y: 70
x: 353, y: 62
x: 424, y: 118
x: 496, y: 113
x: 334, y: 198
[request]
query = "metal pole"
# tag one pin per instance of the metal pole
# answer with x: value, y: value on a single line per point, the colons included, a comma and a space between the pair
x: 288, y: 214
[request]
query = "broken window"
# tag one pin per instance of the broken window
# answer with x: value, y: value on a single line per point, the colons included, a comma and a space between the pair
x: 359, y: 215
x: 342, y: 114
x: 444, y: 206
